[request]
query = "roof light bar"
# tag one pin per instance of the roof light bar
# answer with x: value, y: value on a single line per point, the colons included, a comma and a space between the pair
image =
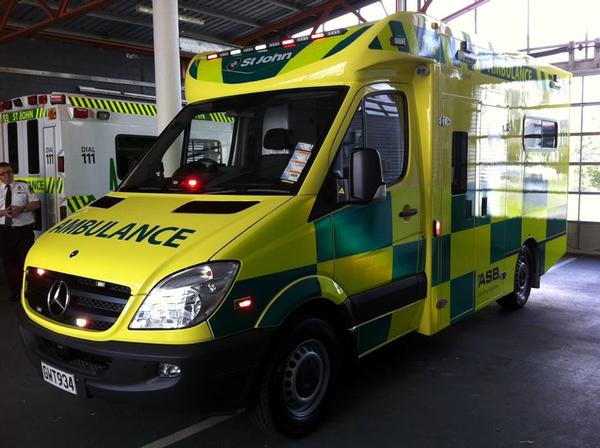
x: 288, y: 42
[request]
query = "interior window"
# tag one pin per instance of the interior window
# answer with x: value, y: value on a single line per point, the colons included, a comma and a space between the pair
x: 129, y: 149
x: 539, y: 134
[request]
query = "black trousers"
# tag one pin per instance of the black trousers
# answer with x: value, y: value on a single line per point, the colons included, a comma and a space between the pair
x: 15, y: 242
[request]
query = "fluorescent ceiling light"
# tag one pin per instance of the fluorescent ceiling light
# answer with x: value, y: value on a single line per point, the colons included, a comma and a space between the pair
x: 186, y: 19
x: 198, y: 46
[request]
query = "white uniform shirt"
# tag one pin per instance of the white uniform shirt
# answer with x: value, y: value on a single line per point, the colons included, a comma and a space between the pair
x: 22, y: 194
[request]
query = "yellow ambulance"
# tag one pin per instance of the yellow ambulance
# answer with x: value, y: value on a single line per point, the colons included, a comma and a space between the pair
x: 387, y: 178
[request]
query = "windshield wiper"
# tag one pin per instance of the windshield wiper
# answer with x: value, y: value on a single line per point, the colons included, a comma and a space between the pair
x: 246, y: 190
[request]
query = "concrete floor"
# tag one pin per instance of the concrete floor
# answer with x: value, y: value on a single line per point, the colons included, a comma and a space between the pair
x: 496, y: 379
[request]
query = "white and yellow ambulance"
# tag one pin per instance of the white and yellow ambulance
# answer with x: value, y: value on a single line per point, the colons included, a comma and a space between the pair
x: 377, y: 180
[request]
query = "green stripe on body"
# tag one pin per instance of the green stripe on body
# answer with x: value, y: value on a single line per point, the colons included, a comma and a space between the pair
x: 294, y: 296
x: 462, y: 296
x: 226, y: 320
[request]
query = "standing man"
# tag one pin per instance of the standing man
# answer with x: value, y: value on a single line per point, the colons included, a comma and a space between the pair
x: 17, y: 202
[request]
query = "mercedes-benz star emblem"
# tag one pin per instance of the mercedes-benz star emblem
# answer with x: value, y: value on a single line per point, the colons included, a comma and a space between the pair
x: 58, y: 298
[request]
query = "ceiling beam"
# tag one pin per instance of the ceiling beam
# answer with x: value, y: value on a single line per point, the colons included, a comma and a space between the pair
x: 8, y: 9
x: 283, y: 25
x: 464, y: 10
x: 183, y: 27
x: 82, y: 38
x: 221, y: 15
x: 283, y: 4
x: 426, y: 6
x: 45, y: 8
x: 63, y: 15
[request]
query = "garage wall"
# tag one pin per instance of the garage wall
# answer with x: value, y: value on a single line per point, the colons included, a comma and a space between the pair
x: 74, y: 60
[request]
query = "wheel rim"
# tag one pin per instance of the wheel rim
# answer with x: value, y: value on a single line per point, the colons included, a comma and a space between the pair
x: 522, y: 278
x: 305, y: 377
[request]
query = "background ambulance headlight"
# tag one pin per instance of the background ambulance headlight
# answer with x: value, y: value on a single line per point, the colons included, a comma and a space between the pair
x: 187, y: 297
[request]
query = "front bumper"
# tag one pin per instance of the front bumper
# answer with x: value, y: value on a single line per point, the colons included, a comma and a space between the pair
x: 215, y: 376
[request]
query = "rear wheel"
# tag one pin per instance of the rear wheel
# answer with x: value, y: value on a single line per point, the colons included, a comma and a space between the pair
x: 522, y: 287
x: 300, y: 378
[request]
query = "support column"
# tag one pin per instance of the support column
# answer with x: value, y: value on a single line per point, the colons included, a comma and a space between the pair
x: 165, y: 18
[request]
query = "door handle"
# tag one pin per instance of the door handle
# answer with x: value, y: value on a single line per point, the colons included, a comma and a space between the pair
x: 469, y: 209
x: 407, y: 212
x: 484, y: 206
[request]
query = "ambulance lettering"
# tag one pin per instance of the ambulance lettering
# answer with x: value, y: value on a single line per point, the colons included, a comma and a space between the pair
x: 139, y: 233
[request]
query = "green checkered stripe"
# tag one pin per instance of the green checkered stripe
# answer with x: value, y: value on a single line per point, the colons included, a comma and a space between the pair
x: 358, y: 237
x: 505, y: 241
x: 368, y: 228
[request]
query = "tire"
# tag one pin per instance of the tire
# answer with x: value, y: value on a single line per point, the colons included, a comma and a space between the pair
x: 522, y: 287
x: 299, y: 382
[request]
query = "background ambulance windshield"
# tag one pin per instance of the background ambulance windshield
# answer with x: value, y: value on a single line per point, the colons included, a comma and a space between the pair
x: 259, y: 143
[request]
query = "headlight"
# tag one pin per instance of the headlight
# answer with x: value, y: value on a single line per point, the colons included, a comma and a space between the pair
x: 187, y: 297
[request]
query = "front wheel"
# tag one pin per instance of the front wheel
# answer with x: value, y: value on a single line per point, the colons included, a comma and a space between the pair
x: 300, y: 378
x: 522, y: 287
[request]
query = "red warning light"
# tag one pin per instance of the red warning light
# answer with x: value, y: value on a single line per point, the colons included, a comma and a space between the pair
x: 192, y: 183
x: 244, y: 304
x: 437, y: 227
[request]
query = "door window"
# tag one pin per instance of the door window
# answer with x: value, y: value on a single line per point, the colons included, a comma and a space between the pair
x: 13, y: 146
x: 379, y: 123
x: 33, y: 144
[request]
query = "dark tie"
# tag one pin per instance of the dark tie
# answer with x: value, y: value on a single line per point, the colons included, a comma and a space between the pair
x: 7, y: 204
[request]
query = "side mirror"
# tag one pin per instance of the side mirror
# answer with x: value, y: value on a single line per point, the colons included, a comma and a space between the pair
x: 365, y: 183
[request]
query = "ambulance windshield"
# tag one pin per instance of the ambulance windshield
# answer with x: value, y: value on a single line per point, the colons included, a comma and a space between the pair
x: 261, y: 143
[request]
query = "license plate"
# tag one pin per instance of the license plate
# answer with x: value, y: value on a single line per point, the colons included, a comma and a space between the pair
x: 58, y: 378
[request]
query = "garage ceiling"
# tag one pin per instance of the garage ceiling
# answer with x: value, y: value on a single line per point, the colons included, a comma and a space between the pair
x: 127, y: 24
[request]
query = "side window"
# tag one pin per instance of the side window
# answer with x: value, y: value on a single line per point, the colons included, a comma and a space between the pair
x: 13, y: 146
x: 129, y: 149
x: 379, y: 123
x: 385, y: 125
x: 539, y: 134
x: 33, y: 151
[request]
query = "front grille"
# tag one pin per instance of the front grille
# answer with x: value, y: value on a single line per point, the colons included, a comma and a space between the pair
x: 98, y: 303
x: 75, y: 359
